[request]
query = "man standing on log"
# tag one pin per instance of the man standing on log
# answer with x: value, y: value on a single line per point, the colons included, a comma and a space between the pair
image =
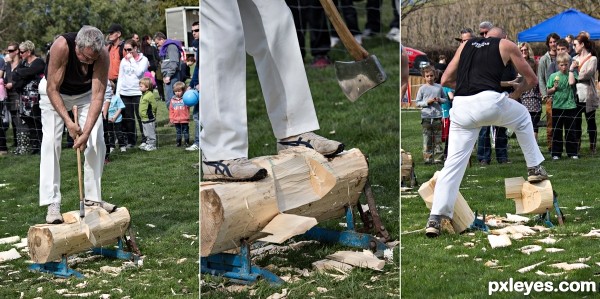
x: 475, y: 72
x: 267, y: 32
x: 76, y: 75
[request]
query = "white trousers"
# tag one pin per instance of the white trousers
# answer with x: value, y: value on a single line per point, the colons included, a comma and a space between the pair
x: 467, y: 116
x: 265, y: 29
x: 52, y: 128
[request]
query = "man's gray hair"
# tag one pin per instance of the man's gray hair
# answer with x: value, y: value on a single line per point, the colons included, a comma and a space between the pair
x: 90, y: 37
x: 486, y: 25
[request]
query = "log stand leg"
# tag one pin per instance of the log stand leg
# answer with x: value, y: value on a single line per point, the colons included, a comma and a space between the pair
x: 237, y: 267
x: 349, y: 237
x: 545, y: 217
x: 60, y: 269
x: 118, y: 253
x: 479, y: 224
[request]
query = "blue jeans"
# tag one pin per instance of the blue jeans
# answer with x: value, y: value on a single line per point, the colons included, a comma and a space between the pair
x: 484, y: 146
x: 183, y: 130
x: 196, y: 116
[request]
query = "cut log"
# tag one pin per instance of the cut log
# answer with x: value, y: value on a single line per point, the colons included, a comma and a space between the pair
x: 285, y: 226
x: 463, y: 216
x: 359, y: 259
x: 529, y: 198
x: 48, y: 242
x: 300, y: 182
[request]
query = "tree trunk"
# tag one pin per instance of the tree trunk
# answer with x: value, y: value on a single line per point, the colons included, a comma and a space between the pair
x: 48, y: 242
x: 300, y: 182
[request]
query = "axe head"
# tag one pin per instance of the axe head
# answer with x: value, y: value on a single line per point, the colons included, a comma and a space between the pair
x: 357, y: 77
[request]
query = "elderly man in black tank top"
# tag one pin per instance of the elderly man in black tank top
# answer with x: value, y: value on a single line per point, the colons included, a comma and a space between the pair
x: 76, y: 75
x: 475, y: 72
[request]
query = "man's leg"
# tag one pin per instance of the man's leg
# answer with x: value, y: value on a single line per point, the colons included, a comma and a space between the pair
x: 94, y: 157
x: 282, y: 75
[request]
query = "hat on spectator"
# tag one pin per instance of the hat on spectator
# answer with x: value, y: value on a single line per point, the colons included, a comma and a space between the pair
x: 114, y: 28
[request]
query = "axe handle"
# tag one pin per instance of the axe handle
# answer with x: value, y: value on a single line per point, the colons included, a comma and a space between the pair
x: 355, y: 49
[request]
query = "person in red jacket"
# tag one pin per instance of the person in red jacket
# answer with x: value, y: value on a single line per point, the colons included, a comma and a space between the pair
x: 179, y: 114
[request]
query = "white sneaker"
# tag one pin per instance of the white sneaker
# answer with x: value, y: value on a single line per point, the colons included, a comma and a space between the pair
x: 112, y: 149
x: 123, y: 149
x: 54, y: 216
x: 149, y: 148
x: 322, y: 145
x: 193, y: 147
x: 555, y: 158
x: 235, y: 170
x: 142, y: 146
x: 358, y: 39
x: 394, y: 35
x: 334, y: 41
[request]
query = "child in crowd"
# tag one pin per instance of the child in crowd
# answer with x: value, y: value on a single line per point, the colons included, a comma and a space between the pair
x: 148, y: 110
x: 429, y: 97
x: 113, y: 121
x: 179, y: 114
x: 564, y: 109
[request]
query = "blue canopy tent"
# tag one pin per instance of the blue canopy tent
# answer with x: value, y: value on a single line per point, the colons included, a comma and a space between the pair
x: 570, y: 21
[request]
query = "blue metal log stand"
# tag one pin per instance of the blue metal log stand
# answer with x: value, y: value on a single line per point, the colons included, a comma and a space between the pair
x: 118, y: 253
x: 237, y: 267
x: 60, y: 269
x: 545, y: 217
x: 479, y: 224
x: 348, y: 237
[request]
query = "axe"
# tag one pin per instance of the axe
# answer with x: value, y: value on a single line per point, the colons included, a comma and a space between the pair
x: 360, y: 75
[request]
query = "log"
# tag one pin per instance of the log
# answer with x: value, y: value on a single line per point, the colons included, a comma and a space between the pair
x: 529, y: 198
x: 49, y: 242
x: 300, y: 182
x: 463, y: 215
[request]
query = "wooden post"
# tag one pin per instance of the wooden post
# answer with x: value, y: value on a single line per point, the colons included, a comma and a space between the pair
x: 529, y: 198
x: 300, y: 182
x: 48, y: 242
x: 463, y: 215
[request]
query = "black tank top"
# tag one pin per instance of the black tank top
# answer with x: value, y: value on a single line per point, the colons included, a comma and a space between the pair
x: 75, y: 81
x: 480, y: 67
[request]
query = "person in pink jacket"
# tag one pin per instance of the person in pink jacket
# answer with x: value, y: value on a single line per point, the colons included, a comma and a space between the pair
x: 179, y: 114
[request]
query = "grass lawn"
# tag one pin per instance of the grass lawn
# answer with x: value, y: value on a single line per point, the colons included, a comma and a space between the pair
x: 159, y: 188
x: 369, y: 124
x: 430, y: 268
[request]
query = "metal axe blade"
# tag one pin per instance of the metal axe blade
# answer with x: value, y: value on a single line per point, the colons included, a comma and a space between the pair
x: 358, y: 77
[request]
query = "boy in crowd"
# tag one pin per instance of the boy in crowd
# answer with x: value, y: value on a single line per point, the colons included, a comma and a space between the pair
x: 564, y: 109
x: 179, y: 114
x: 148, y: 110
x: 429, y: 97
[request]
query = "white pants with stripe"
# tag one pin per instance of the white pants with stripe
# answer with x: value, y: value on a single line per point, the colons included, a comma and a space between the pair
x: 52, y: 128
x: 467, y: 116
x: 265, y: 30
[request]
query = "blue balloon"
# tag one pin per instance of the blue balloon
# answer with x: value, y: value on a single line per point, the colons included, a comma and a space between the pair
x: 191, y: 97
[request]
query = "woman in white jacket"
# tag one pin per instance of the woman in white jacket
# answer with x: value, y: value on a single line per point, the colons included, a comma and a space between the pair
x: 131, y: 70
x: 583, y: 69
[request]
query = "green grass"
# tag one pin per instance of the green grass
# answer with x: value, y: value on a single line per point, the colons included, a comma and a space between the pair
x: 428, y: 270
x: 159, y: 188
x: 369, y: 124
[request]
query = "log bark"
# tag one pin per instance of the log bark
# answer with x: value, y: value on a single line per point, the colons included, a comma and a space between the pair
x: 529, y: 198
x: 300, y: 182
x: 48, y: 242
x: 463, y: 215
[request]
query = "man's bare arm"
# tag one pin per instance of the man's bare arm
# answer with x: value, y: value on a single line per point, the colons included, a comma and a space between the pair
x: 449, y: 76
x: 59, y: 53
x: 99, y: 80
x: 510, y: 53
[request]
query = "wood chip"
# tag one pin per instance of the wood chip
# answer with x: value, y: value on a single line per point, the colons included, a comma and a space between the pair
x: 538, y: 272
x: 595, y: 233
x: 284, y: 226
x: 281, y: 295
x: 499, y: 241
x: 530, y: 249
x: 321, y: 290
x: 552, y: 250
x: 492, y: 263
x: 462, y: 255
x: 584, y: 259
x: 10, y: 240
x: 449, y: 246
x: 364, y: 259
x: 529, y: 268
x: 515, y: 218
x: 568, y: 267
x: 9, y: 255
x: 547, y: 240
x: 582, y: 208
x: 469, y: 244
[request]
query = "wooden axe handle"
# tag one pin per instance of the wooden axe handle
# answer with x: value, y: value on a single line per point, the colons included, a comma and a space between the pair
x: 355, y: 49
